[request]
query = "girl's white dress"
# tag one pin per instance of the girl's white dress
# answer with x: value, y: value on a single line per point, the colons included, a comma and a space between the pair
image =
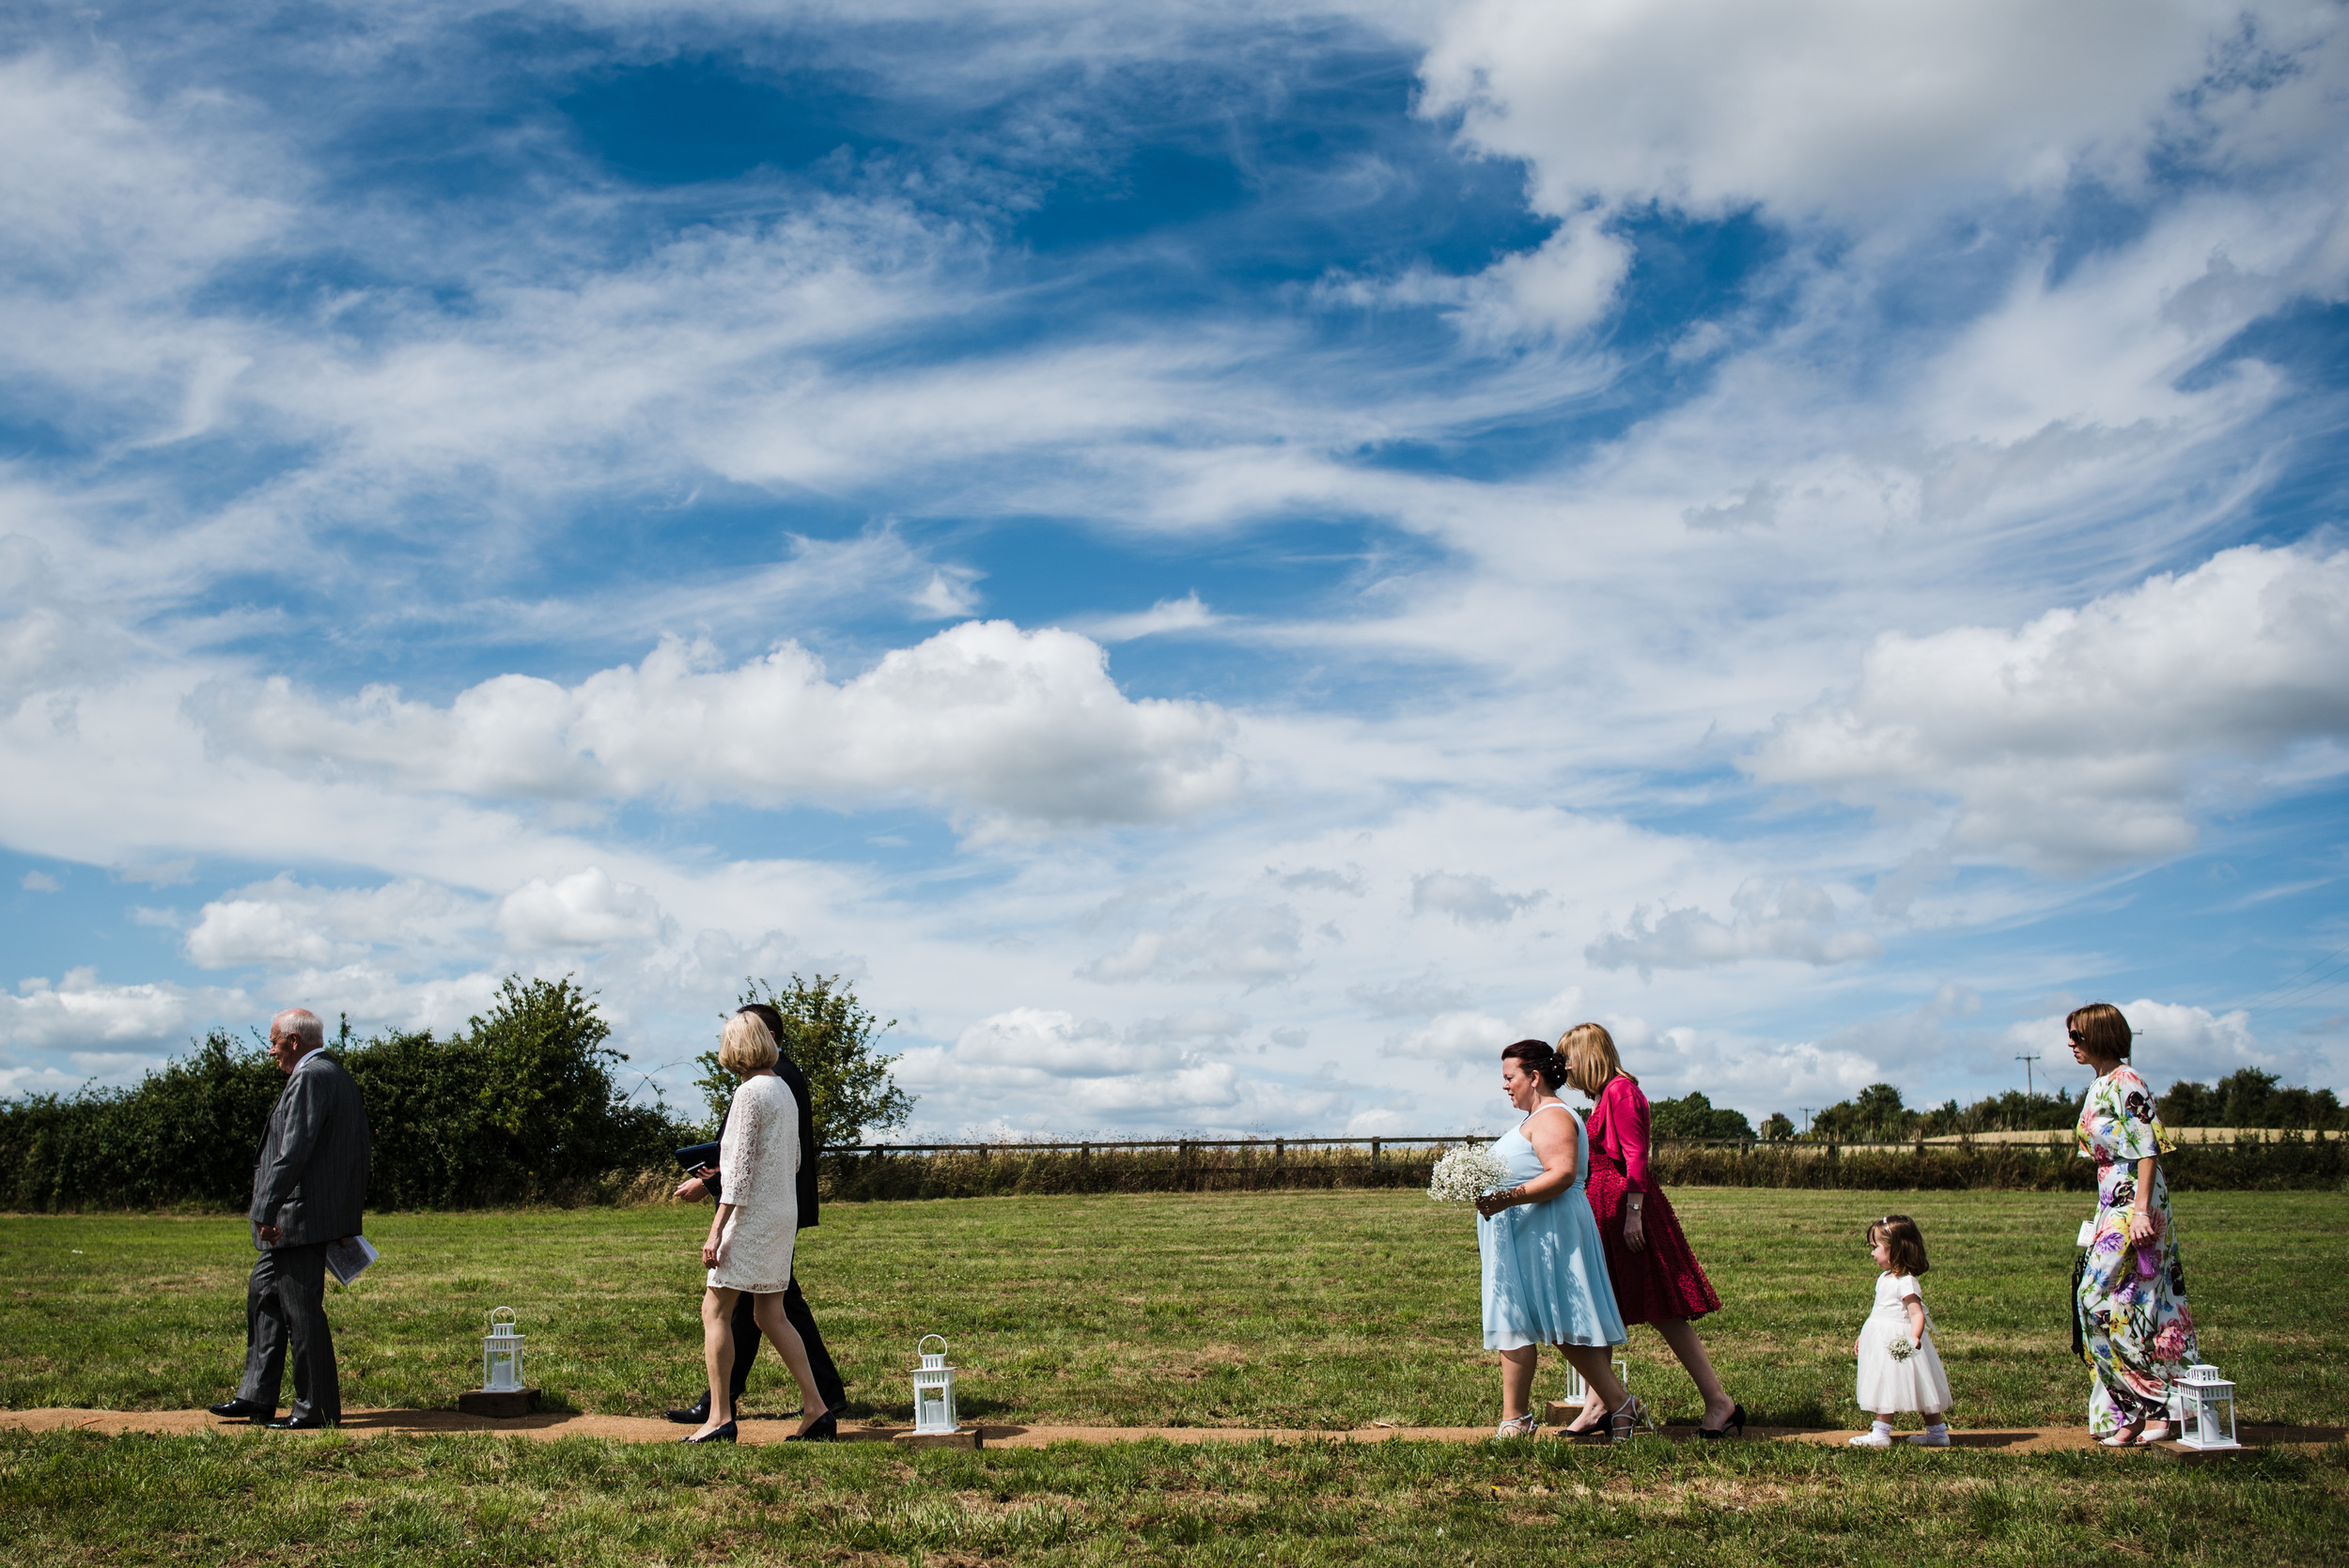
x: 759, y: 1160
x: 1886, y: 1384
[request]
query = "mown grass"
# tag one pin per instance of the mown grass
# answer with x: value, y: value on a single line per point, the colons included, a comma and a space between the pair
x: 1315, y: 1310
x: 71, y: 1499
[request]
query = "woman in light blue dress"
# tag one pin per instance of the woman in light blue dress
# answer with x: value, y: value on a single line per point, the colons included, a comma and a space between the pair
x: 1545, y: 1269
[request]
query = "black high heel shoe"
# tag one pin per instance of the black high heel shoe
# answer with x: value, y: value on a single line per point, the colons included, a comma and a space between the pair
x: 823, y: 1429
x: 1736, y: 1422
x: 723, y: 1434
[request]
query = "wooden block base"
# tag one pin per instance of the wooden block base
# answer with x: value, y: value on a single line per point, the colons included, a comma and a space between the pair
x: 1561, y: 1411
x: 502, y: 1406
x: 961, y: 1437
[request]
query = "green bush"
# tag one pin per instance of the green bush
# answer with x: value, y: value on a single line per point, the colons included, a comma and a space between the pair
x: 521, y: 1107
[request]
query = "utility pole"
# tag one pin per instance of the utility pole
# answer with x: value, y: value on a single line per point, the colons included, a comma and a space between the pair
x: 2027, y: 1061
x: 1806, y: 1118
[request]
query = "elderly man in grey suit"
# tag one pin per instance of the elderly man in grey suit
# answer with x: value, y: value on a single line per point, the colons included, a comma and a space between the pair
x: 308, y: 1188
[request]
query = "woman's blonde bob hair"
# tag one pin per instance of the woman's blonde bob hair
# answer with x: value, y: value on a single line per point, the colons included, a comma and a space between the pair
x: 1591, y: 1060
x: 745, y: 1047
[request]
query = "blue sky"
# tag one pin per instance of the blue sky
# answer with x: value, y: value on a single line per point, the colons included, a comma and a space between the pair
x: 1222, y: 562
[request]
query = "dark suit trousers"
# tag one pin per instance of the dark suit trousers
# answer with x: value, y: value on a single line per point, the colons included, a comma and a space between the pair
x: 284, y: 1307
x: 747, y: 1338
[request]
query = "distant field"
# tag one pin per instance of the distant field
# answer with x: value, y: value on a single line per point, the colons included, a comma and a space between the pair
x: 1300, y: 1309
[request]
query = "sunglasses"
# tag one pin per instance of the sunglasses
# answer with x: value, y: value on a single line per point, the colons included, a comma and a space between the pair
x: 2076, y: 1037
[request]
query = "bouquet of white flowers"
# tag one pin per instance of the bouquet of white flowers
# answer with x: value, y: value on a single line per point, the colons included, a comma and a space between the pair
x: 1900, y: 1349
x: 1466, y: 1173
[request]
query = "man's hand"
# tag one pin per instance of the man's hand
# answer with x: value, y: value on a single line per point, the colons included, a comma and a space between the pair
x: 690, y: 1188
x: 269, y: 1234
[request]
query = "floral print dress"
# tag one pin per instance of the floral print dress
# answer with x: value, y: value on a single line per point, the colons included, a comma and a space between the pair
x: 2134, y: 1329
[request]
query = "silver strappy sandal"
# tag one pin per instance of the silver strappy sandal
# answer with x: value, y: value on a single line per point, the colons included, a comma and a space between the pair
x: 1625, y: 1420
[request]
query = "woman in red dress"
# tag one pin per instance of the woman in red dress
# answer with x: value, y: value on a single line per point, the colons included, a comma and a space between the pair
x: 1656, y: 1279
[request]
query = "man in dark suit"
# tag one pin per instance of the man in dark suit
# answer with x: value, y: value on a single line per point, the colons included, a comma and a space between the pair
x: 309, y: 1186
x: 746, y: 1335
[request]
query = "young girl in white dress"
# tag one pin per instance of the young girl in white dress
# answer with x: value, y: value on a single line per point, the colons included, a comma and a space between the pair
x: 1899, y: 1367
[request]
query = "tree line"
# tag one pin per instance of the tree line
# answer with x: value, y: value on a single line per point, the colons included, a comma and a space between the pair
x: 2248, y: 1098
x: 527, y: 1104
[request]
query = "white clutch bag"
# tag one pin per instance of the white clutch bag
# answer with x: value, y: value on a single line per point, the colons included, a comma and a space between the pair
x: 2088, y: 1232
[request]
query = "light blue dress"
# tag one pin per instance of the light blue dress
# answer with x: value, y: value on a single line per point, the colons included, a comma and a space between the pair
x: 1544, y: 1271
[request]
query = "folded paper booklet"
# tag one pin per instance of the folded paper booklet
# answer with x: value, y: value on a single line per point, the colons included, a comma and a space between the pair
x: 698, y: 1155
x: 350, y: 1259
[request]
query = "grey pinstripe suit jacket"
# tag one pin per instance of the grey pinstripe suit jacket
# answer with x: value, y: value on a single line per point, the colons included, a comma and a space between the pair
x: 311, y: 1179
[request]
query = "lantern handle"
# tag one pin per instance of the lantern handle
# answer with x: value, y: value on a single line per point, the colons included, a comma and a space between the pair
x: 925, y: 1339
x: 493, y: 1316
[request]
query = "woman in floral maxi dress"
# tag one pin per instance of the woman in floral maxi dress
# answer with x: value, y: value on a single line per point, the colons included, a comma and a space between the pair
x: 2130, y: 1306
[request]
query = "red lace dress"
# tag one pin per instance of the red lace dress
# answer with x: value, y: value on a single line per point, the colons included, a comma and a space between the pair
x: 1662, y: 1281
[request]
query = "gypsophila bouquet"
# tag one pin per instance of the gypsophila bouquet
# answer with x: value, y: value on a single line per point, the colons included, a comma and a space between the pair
x: 1466, y: 1173
x: 1901, y: 1349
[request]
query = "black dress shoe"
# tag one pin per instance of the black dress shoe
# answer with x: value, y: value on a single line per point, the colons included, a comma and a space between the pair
x: 693, y: 1414
x: 290, y: 1423
x: 823, y: 1429
x: 244, y: 1409
x: 1736, y: 1422
x: 723, y: 1434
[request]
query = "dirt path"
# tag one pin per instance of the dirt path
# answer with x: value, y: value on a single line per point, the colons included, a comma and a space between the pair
x: 637, y: 1429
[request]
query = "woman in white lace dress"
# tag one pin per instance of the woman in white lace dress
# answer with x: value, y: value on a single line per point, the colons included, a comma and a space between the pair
x: 751, y: 1236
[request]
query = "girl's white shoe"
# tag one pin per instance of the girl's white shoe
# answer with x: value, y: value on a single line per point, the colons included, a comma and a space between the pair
x: 1872, y: 1440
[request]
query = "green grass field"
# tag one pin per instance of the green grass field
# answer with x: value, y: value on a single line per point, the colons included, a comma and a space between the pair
x: 1301, y: 1309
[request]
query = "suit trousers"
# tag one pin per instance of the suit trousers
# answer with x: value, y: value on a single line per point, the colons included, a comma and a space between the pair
x: 284, y: 1308
x: 747, y: 1338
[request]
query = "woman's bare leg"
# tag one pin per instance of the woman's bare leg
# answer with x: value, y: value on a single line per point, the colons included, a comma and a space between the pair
x: 1682, y: 1336
x: 1596, y: 1363
x: 1516, y: 1380
x: 768, y: 1310
x: 1594, y: 1409
x: 718, y: 1356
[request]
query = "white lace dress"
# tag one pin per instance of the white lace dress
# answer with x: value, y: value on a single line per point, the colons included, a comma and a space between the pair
x: 758, y: 1161
x: 1915, y: 1382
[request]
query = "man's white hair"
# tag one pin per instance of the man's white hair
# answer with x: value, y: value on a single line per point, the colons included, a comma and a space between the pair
x: 303, y: 1025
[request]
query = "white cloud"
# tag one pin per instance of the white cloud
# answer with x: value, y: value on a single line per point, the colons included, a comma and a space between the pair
x: 41, y: 881
x: 1412, y: 999
x: 285, y: 924
x: 1470, y: 1035
x: 2174, y: 1041
x: 1022, y: 725
x: 1186, y: 613
x: 80, y: 1011
x: 1471, y: 900
x: 586, y: 909
x: 1049, y: 1043
x: 1847, y: 106
x: 1789, y: 919
x: 2070, y: 742
x: 1255, y: 944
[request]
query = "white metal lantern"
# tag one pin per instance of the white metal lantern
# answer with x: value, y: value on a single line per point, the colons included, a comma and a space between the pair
x: 2201, y: 1409
x: 502, y: 1355
x: 933, y: 1387
x: 1577, y: 1390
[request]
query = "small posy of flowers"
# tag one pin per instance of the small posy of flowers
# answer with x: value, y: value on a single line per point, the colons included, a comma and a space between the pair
x: 1901, y: 1349
x: 1466, y: 1173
